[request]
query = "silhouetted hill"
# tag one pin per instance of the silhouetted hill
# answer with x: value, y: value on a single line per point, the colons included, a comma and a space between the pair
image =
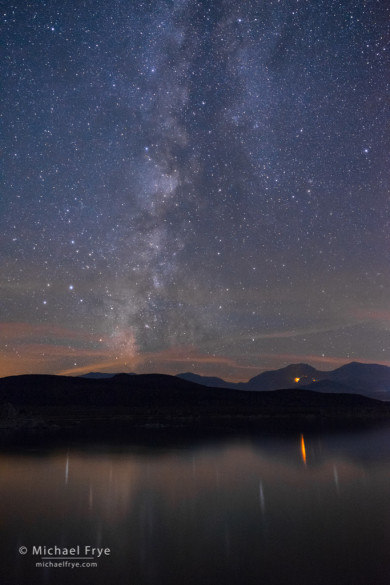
x: 329, y: 386
x: 118, y: 390
x: 139, y: 400
x: 97, y: 375
x: 210, y: 381
x: 290, y: 376
x: 369, y: 379
x: 366, y: 378
x: 270, y: 380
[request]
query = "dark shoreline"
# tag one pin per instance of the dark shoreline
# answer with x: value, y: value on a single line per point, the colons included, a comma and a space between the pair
x: 125, y: 406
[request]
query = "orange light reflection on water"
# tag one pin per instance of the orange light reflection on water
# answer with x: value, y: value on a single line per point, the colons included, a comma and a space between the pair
x: 303, y: 450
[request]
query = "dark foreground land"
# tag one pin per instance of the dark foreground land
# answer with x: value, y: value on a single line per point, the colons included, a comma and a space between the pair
x: 126, y: 402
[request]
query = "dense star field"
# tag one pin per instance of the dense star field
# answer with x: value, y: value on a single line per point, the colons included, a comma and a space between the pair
x: 194, y: 185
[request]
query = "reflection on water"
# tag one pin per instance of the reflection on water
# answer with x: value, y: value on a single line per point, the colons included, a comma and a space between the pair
x: 303, y: 449
x: 299, y: 509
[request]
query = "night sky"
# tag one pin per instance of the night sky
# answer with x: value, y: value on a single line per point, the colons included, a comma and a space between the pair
x: 194, y: 186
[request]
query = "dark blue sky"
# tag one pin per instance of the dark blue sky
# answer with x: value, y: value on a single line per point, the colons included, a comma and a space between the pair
x: 194, y: 185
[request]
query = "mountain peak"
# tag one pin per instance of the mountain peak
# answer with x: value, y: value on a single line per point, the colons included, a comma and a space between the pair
x: 288, y: 377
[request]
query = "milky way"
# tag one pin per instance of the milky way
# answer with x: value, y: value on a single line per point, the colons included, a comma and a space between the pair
x: 194, y: 185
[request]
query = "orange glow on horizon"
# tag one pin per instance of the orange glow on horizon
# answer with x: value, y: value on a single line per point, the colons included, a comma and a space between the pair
x: 33, y: 348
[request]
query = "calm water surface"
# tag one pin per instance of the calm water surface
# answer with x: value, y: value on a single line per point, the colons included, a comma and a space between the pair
x: 307, y: 509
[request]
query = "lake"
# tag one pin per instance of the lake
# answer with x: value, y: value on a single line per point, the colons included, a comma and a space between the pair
x: 268, y: 509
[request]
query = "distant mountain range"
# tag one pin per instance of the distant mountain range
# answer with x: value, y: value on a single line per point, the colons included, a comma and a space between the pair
x: 354, y: 378
x: 371, y: 380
